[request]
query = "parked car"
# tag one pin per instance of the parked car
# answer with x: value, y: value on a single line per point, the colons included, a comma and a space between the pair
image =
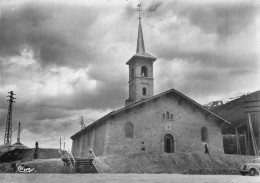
x: 251, y: 168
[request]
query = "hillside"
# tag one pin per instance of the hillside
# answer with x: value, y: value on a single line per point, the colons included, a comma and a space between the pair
x: 27, y: 154
x: 184, y: 163
x: 187, y: 163
x: 234, y: 111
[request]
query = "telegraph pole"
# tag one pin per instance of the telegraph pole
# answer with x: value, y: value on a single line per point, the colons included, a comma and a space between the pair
x: 8, y: 129
x: 82, y: 123
x: 18, y: 134
x: 253, y: 107
x: 64, y: 144
x: 60, y: 143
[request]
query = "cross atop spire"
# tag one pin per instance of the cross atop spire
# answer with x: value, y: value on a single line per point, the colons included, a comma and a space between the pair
x: 139, y: 9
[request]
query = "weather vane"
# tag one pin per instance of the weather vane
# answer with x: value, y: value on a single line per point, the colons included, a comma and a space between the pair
x: 139, y: 9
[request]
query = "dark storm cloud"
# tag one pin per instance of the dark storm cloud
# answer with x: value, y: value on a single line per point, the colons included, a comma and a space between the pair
x: 104, y: 97
x: 37, y: 112
x: 45, y: 29
x: 43, y: 127
x: 243, y: 72
x: 218, y: 59
x: 222, y: 18
x: 154, y: 6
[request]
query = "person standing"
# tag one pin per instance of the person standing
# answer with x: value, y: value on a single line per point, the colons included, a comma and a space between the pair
x: 36, y: 150
x: 36, y: 146
x: 206, y: 149
x: 91, y: 157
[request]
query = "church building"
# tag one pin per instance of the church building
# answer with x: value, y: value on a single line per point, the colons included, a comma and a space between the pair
x: 169, y: 122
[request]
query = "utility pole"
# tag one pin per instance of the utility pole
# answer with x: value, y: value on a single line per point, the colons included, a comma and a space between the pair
x: 8, y: 129
x: 18, y: 134
x: 237, y: 142
x: 82, y: 123
x: 256, y: 152
x: 246, y: 149
x: 60, y: 143
x: 252, y: 107
x: 64, y: 144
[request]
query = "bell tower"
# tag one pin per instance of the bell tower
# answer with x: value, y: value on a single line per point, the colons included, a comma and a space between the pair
x: 140, y: 71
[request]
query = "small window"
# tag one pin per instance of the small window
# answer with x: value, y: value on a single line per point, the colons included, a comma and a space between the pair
x: 144, y: 91
x: 204, y: 134
x: 144, y: 71
x: 167, y: 115
x: 163, y: 116
x: 171, y: 116
x: 129, y: 130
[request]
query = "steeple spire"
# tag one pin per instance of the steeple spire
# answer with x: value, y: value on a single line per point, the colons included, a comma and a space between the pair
x: 140, y: 39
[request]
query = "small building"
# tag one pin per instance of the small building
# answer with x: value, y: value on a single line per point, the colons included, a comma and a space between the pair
x: 168, y: 122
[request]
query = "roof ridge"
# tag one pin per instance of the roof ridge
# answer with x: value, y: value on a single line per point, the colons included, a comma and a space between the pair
x: 148, y: 99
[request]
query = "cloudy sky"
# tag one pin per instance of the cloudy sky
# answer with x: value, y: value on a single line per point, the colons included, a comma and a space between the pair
x: 65, y: 59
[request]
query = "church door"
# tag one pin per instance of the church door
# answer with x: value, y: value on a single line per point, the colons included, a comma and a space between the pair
x: 168, y: 143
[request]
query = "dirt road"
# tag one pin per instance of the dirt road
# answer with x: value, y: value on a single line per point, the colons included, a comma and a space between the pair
x: 124, y: 178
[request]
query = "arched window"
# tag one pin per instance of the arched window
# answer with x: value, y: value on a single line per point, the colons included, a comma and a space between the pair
x: 169, y: 143
x: 129, y: 130
x: 144, y: 71
x: 144, y: 91
x: 167, y: 115
x: 204, y: 134
x: 132, y: 72
x: 171, y: 116
x: 163, y: 115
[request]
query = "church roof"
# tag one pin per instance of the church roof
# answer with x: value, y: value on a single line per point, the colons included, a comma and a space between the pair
x: 179, y: 94
x: 140, y: 48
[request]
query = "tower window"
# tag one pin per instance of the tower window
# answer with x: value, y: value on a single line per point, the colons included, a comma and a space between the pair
x: 144, y: 71
x: 132, y: 72
x: 144, y: 91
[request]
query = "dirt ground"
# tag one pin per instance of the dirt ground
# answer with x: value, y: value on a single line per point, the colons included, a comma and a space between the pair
x: 125, y: 178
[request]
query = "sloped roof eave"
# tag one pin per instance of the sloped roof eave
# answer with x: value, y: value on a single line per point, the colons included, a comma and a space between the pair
x: 145, y: 56
x: 146, y: 100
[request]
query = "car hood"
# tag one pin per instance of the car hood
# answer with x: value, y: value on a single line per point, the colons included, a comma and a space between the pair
x: 251, y: 164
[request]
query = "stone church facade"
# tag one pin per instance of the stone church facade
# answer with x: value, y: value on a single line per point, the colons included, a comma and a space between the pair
x: 169, y: 122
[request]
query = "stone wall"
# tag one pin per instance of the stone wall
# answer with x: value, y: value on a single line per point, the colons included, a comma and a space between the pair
x: 150, y: 128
